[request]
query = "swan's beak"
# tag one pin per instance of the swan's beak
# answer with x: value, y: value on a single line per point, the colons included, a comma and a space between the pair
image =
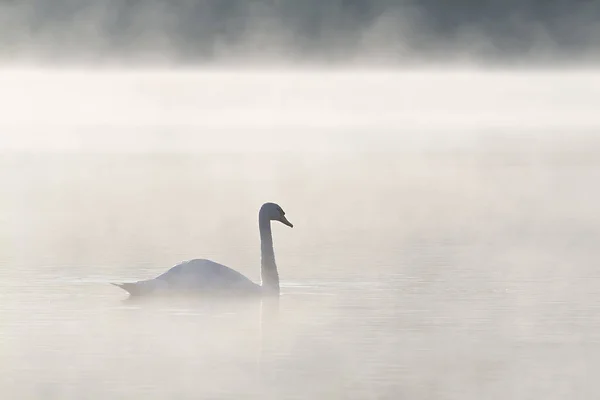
x: 284, y: 221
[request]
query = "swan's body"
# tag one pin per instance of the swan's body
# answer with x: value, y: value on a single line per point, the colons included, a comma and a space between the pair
x: 195, y: 276
x: 206, y: 277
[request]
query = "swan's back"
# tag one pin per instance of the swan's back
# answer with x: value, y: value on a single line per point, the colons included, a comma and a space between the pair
x: 207, y: 276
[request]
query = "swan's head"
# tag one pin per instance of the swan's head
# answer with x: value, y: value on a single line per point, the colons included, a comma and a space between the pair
x: 273, y: 212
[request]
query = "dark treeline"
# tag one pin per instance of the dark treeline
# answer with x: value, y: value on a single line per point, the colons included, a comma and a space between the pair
x: 389, y: 30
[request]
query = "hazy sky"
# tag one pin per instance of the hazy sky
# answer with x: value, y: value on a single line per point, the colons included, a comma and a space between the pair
x: 158, y: 110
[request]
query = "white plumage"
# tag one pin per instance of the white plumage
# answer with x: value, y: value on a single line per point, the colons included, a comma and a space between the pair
x: 206, y: 277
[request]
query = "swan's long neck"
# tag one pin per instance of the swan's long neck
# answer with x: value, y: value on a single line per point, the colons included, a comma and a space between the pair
x: 268, y: 268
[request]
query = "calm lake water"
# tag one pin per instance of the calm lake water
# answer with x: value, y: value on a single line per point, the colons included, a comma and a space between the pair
x: 445, y: 240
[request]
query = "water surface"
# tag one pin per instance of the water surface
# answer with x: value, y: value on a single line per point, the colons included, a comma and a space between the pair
x: 444, y: 242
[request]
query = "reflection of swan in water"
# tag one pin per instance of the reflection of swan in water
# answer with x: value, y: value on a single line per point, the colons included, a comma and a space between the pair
x: 207, y: 277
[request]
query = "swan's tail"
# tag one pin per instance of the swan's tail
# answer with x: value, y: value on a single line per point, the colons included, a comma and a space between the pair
x: 143, y: 288
x: 131, y: 288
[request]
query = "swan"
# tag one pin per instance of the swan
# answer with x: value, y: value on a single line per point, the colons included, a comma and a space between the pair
x: 206, y: 277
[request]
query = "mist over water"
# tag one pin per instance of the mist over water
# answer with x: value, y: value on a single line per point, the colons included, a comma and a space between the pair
x: 444, y: 240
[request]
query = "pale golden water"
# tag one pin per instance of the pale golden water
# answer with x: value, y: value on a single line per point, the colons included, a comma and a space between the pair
x: 453, y: 257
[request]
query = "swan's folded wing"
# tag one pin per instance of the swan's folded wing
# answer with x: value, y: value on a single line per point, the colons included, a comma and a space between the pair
x: 201, y: 274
